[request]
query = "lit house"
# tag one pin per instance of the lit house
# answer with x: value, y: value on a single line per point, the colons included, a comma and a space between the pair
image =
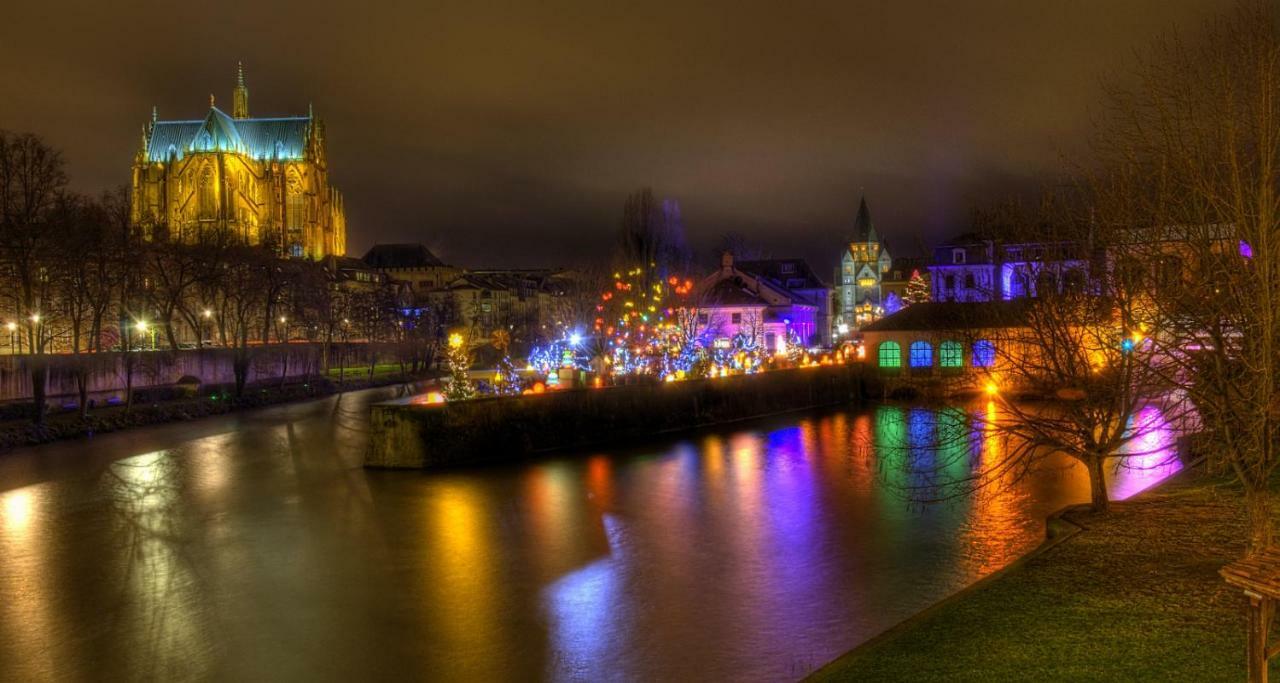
x: 935, y: 340
x: 733, y: 301
x: 974, y: 268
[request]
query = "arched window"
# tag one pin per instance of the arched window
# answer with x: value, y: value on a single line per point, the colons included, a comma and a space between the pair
x: 984, y: 354
x: 293, y: 207
x: 890, y: 355
x: 207, y: 195
x: 951, y: 354
x: 921, y: 354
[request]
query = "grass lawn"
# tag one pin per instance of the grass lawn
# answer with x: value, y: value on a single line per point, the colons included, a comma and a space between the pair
x: 362, y: 371
x: 1136, y: 596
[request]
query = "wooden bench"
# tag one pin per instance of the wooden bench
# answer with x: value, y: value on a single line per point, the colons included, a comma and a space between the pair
x: 1259, y: 576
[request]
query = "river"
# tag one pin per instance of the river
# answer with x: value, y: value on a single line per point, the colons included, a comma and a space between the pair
x: 255, y: 547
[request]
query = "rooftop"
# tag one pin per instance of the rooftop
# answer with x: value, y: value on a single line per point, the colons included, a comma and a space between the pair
x: 952, y: 315
x: 401, y: 256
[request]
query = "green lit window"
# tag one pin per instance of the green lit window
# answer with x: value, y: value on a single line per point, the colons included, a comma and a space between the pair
x: 890, y: 355
x: 951, y: 354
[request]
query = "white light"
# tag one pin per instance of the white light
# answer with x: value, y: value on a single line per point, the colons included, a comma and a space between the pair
x: 575, y: 339
x: 35, y: 317
x: 142, y: 326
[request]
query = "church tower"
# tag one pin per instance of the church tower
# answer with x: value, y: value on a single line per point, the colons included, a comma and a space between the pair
x: 240, y: 97
x: 862, y: 266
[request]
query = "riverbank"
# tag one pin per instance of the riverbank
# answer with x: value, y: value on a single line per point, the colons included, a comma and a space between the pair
x: 1135, y: 595
x: 411, y: 434
x: 68, y: 424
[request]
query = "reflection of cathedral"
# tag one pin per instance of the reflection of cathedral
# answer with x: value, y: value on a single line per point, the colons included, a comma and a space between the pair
x: 264, y: 179
x: 862, y: 266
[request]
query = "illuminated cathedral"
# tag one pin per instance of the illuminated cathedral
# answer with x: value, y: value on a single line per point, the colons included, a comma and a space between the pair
x: 265, y: 180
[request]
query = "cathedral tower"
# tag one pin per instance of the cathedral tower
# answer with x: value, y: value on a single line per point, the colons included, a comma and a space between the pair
x: 240, y: 97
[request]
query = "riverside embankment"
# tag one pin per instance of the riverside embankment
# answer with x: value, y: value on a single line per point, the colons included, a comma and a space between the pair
x: 1134, y: 595
x: 412, y: 434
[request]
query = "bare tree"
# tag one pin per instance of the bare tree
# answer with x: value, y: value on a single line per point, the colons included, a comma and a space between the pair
x: 1189, y: 160
x: 32, y: 178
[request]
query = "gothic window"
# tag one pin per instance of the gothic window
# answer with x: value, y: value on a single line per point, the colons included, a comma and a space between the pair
x: 293, y: 207
x: 207, y: 195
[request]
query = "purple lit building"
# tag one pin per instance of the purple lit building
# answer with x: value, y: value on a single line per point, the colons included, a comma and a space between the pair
x: 972, y: 268
x: 767, y: 309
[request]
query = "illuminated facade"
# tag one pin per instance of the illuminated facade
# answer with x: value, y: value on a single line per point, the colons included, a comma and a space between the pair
x: 265, y: 180
x: 858, y: 279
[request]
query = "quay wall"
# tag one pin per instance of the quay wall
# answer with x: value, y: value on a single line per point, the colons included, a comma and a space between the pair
x: 417, y: 435
x: 106, y: 372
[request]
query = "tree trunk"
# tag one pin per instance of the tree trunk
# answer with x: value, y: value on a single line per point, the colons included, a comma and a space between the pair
x: 38, y: 377
x: 1099, y: 500
x: 82, y: 386
x: 128, y: 381
x: 1261, y: 520
x: 240, y: 367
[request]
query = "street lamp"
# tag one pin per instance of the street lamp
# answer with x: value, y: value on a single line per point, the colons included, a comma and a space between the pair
x: 142, y: 326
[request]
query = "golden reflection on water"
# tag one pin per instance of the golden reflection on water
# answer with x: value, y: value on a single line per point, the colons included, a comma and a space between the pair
x: 464, y: 578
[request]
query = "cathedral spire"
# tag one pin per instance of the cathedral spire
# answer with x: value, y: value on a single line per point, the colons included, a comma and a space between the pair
x: 863, y: 229
x: 240, y: 97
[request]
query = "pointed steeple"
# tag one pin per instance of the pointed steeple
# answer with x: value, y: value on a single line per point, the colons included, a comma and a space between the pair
x: 240, y: 97
x: 863, y: 229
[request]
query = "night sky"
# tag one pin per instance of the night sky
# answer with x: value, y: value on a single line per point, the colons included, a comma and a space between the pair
x: 510, y: 134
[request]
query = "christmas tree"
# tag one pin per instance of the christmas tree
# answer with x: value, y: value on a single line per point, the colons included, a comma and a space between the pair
x: 460, y: 387
x: 917, y: 290
x: 506, y: 381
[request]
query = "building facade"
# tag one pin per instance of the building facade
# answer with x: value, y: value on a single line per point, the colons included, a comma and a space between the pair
x: 734, y: 301
x: 971, y: 268
x: 859, y: 297
x: 263, y: 180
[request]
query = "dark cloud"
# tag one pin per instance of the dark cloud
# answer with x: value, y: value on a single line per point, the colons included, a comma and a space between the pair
x: 509, y: 133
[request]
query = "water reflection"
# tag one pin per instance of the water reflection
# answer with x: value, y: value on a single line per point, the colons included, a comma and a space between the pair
x: 753, y: 553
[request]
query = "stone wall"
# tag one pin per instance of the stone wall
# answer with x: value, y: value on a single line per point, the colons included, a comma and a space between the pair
x: 106, y: 371
x: 415, y: 435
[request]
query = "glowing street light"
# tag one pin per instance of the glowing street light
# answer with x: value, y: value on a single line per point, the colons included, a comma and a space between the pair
x: 992, y: 389
x: 35, y: 317
x: 141, y: 325
x: 208, y: 313
x: 12, y: 327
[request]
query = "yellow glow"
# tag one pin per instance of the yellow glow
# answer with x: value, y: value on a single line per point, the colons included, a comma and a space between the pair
x: 455, y: 340
x: 992, y: 389
x: 18, y: 507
